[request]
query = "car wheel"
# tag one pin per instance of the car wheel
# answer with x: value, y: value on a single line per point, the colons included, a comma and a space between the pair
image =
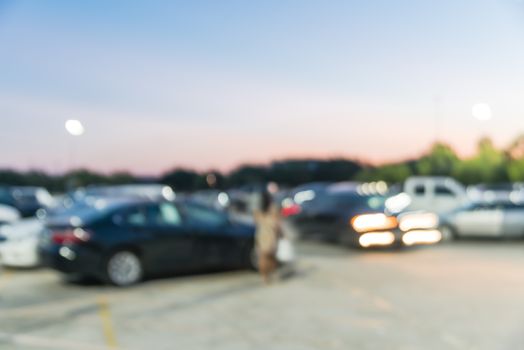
x: 124, y: 268
x: 448, y: 233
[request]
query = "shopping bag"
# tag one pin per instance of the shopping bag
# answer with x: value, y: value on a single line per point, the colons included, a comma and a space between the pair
x: 285, y: 251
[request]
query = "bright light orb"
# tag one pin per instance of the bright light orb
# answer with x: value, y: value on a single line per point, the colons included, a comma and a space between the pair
x: 74, y: 127
x: 481, y: 111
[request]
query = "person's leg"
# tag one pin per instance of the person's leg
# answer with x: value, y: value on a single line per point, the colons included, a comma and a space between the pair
x: 264, y: 266
x: 273, y: 264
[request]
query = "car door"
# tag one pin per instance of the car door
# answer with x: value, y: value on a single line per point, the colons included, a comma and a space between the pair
x: 213, y: 243
x: 444, y: 199
x: 513, y: 222
x: 173, y: 242
x: 163, y: 243
x: 480, y: 221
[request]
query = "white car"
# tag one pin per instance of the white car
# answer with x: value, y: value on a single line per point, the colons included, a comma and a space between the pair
x: 8, y: 214
x: 437, y: 194
x: 489, y: 220
x: 18, y: 243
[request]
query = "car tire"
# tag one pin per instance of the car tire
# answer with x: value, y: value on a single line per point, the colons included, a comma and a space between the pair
x: 448, y: 233
x: 124, y: 268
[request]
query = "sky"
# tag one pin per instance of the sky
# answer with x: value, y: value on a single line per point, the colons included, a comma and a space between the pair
x: 214, y: 84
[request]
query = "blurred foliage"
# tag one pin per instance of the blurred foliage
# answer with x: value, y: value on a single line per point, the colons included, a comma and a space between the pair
x: 247, y: 174
x: 391, y: 173
x: 516, y: 170
x: 295, y: 172
x: 60, y: 183
x: 488, y: 165
x: 441, y: 160
x: 181, y: 179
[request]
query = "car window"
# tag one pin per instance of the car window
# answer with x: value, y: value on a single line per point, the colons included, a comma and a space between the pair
x: 164, y: 214
x: 202, y: 215
x: 168, y: 215
x: 443, y: 191
x: 136, y: 216
x: 420, y: 189
x: 512, y: 206
x: 484, y: 206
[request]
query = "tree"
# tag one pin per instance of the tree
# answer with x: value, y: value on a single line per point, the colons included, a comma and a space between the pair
x: 181, y: 179
x: 440, y: 161
x: 391, y: 173
x: 247, y: 174
x: 489, y: 165
x: 516, y: 170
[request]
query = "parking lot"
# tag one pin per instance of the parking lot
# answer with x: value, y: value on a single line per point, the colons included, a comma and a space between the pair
x: 457, y: 295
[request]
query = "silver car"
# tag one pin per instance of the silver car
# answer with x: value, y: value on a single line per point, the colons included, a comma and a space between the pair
x: 490, y: 220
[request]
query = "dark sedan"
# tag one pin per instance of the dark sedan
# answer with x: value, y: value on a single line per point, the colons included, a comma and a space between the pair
x: 345, y: 213
x: 123, y: 241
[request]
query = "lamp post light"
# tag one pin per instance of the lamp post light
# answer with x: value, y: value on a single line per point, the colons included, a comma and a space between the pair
x: 74, y: 128
x: 481, y: 111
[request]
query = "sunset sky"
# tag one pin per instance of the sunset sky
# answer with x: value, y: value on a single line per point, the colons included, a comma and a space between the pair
x: 213, y: 84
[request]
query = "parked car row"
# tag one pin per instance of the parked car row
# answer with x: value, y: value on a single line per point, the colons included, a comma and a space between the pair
x: 423, y: 210
x: 19, y: 236
x: 121, y: 234
x: 124, y: 234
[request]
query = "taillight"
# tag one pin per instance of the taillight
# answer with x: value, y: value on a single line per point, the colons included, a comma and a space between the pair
x: 290, y: 210
x: 70, y: 236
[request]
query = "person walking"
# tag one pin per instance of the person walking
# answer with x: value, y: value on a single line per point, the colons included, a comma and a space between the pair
x: 267, y: 222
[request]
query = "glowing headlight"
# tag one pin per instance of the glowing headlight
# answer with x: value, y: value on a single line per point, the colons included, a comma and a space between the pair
x: 422, y: 237
x: 168, y: 193
x: 376, y: 239
x: 398, y: 203
x: 370, y: 222
x: 413, y: 221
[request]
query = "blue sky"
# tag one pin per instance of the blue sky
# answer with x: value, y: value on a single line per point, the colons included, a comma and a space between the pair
x: 212, y: 84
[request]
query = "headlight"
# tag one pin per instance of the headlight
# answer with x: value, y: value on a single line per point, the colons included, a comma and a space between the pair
x: 371, y: 222
x: 409, y: 222
x: 376, y: 239
x: 421, y: 237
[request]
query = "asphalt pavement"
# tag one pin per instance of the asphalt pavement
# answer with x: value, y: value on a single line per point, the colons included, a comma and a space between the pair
x: 457, y: 295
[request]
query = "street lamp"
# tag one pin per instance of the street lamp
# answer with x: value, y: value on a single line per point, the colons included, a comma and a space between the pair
x: 481, y: 111
x: 74, y: 127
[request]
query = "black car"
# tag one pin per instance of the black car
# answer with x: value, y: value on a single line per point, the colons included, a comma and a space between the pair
x: 122, y: 241
x: 349, y: 214
x: 340, y: 213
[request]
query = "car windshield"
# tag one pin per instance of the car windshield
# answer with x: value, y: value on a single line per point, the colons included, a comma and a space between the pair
x: 201, y: 214
x: 343, y: 201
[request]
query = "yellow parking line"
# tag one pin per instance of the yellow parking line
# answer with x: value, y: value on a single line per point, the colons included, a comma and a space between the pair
x: 107, y: 324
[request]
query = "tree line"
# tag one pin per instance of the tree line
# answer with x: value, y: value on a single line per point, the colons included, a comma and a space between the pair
x: 487, y: 165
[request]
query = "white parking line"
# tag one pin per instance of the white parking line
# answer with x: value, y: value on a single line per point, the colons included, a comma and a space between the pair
x: 45, y: 343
